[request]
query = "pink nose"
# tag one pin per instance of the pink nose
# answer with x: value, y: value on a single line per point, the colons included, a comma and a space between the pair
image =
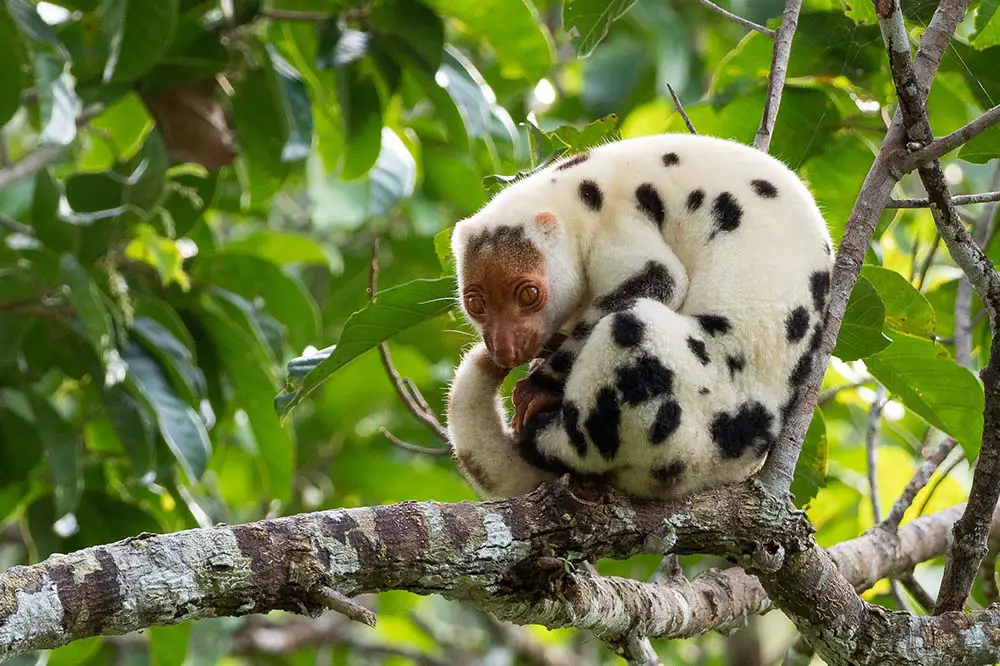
x: 506, y: 350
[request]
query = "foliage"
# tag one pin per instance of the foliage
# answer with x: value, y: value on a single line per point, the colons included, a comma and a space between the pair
x: 188, y: 197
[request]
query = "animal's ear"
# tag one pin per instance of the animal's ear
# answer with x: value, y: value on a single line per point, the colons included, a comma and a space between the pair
x: 546, y: 221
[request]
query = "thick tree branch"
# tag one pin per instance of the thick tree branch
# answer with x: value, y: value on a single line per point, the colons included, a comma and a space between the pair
x: 779, y: 68
x: 946, y: 144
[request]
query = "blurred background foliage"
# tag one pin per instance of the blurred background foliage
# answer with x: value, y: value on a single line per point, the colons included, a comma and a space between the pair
x: 189, y: 194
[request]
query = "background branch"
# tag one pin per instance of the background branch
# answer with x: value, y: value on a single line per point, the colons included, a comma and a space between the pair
x: 779, y: 68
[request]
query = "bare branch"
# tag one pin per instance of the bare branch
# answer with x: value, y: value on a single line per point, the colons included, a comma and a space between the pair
x: 963, y: 296
x: 779, y: 68
x: 948, y: 143
x: 405, y: 389
x: 737, y: 19
x: 916, y: 590
x: 830, y: 394
x: 917, y: 483
x: 957, y: 200
x: 344, y: 605
x: 871, y: 448
x: 680, y: 110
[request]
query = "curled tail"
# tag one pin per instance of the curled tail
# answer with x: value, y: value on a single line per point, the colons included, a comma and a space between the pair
x: 484, y: 447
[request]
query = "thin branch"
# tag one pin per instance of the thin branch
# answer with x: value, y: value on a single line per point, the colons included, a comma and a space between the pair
x: 916, y: 590
x: 680, y: 110
x: 405, y: 389
x: 963, y: 296
x: 871, y: 449
x: 830, y: 394
x: 945, y: 473
x: 917, y: 483
x: 779, y: 68
x: 928, y: 260
x: 344, y: 605
x: 737, y: 19
x: 413, y: 448
x: 940, y: 147
x: 958, y: 200
x: 288, y: 15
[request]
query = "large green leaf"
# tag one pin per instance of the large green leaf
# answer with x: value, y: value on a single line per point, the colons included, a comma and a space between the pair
x: 63, y: 452
x: 588, y: 21
x: 133, y: 426
x: 929, y: 382
x: 810, y: 470
x: 168, y: 645
x: 283, y: 247
x: 983, y: 148
x: 254, y: 387
x: 362, y: 110
x: 256, y: 279
x: 390, y: 312
x: 20, y: 446
x: 138, y: 33
x: 906, y: 309
x: 86, y: 299
x: 262, y: 128
x: 12, y: 61
x: 412, y: 24
x: 174, y: 357
x: 513, y: 29
x: 861, y: 331
x: 180, y: 426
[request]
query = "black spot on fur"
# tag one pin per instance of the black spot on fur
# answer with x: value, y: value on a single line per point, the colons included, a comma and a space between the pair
x: 571, y: 423
x: 713, y: 324
x: 695, y: 199
x: 802, y: 369
x: 666, y: 422
x: 819, y: 286
x: 591, y: 195
x: 727, y: 214
x: 748, y: 428
x: 602, y: 424
x: 697, y: 348
x: 645, y: 379
x: 671, y: 159
x: 704, y: 390
x: 654, y: 282
x: 626, y: 329
x: 582, y: 330
x: 544, y: 383
x: 735, y: 364
x: 669, y: 475
x: 527, y: 444
x: 650, y: 203
x: 562, y: 362
x: 764, y: 189
x: 573, y: 161
x: 796, y: 324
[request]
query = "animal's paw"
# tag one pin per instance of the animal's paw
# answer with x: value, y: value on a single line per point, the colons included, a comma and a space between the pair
x: 531, y: 398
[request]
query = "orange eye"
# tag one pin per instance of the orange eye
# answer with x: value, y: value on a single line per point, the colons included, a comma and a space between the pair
x: 475, y: 305
x: 528, y: 296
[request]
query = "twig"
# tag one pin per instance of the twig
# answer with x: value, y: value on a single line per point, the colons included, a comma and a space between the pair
x: 917, y: 483
x: 344, y: 605
x: 945, y: 472
x: 829, y: 394
x: 414, y: 448
x: 779, y: 68
x: 928, y: 260
x: 916, y: 590
x: 871, y: 447
x: 939, y: 147
x: 680, y: 110
x: 963, y: 296
x: 406, y: 390
x: 737, y: 19
x: 287, y: 15
x: 971, y: 530
x: 958, y: 200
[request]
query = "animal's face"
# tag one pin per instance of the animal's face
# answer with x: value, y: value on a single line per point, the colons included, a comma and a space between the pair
x: 507, y: 285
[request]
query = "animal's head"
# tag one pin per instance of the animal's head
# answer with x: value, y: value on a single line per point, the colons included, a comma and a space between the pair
x: 519, y: 279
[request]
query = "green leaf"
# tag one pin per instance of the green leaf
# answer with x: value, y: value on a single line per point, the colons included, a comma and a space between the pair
x: 188, y: 196
x: 49, y: 226
x: 168, y: 645
x: 390, y: 312
x: 85, y: 297
x: 138, y: 33
x: 411, y: 23
x: 76, y: 653
x: 262, y: 129
x: 133, y: 426
x: 442, y: 247
x: 810, y: 470
x: 180, y: 426
x: 119, y: 131
x: 20, y: 446
x: 296, y: 107
x: 983, y: 148
x: 362, y: 110
x: 906, y: 309
x: 987, y: 24
x: 512, y: 27
x: 254, y: 389
x: 593, y: 134
x: 929, y: 382
x: 861, y: 331
x: 63, y: 452
x: 588, y: 21
x: 258, y: 280
x: 13, y: 58
x: 467, y: 88
x: 58, y: 104
x: 284, y: 247
x: 175, y: 358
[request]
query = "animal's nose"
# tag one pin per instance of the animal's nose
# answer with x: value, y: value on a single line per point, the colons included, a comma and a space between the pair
x: 505, y: 350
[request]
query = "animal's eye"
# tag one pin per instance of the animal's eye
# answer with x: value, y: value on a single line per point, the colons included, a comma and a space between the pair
x: 528, y: 296
x: 475, y: 305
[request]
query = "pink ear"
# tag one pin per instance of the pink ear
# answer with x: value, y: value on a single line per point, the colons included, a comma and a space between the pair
x: 545, y: 220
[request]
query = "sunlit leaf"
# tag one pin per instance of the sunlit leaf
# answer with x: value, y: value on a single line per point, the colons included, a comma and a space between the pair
x: 983, y: 148
x: 861, y: 331
x: 392, y: 311
x: 906, y: 309
x: 810, y: 470
x: 138, y: 32
x: 86, y: 299
x: 168, y: 645
x: 588, y: 21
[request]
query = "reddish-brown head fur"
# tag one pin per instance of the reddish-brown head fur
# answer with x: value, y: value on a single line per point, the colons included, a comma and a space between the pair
x: 504, y: 291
